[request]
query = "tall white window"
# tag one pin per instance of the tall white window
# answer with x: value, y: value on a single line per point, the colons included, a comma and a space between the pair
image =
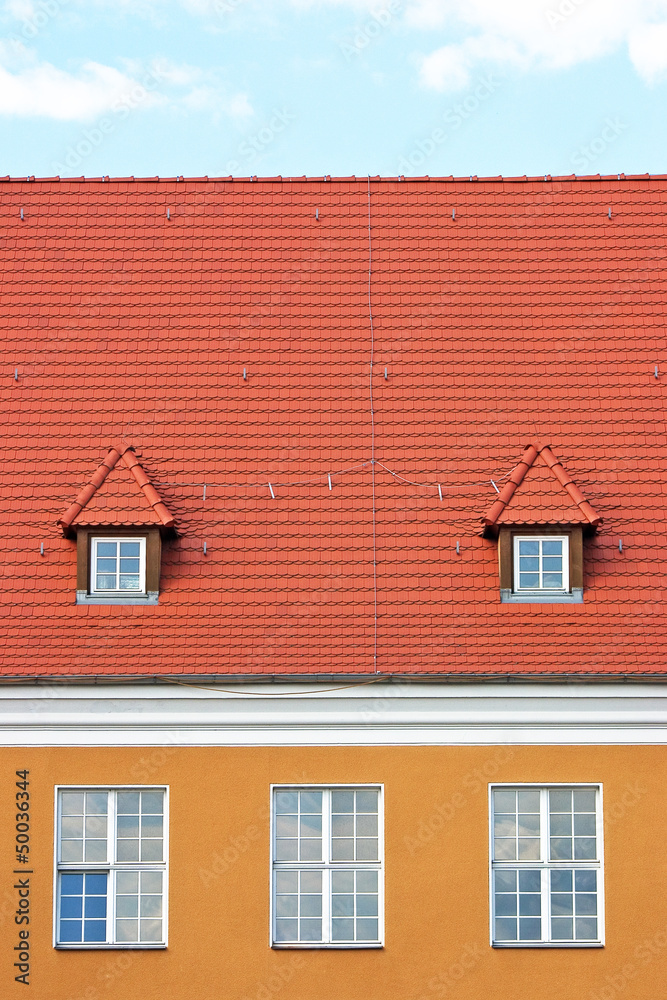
x: 111, y: 861
x: 118, y: 565
x: 327, y: 866
x: 541, y: 563
x: 546, y: 865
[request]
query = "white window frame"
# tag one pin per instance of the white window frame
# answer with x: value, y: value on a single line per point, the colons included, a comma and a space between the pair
x: 544, y: 591
x: 546, y: 866
x: 110, y: 868
x: 117, y: 592
x: 327, y: 866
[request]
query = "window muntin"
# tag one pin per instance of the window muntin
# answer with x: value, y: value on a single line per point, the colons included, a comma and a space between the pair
x: 118, y: 565
x: 546, y: 865
x: 541, y: 563
x: 327, y: 866
x: 111, y: 867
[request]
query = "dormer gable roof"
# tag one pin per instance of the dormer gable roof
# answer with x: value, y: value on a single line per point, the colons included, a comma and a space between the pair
x: 118, y: 493
x: 540, y: 491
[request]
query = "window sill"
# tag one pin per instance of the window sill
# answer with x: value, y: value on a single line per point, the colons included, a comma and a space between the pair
x: 576, y: 596
x: 82, y: 597
x: 103, y: 946
x: 547, y: 944
x: 319, y: 945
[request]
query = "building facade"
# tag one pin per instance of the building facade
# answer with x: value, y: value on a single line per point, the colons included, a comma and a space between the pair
x: 333, y: 604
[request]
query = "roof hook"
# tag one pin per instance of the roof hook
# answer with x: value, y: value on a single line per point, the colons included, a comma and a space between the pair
x: 620, y: 545
x: 609, y: 213
x: 21, y: 215
x: 16, y: 375
x: 655, y: 371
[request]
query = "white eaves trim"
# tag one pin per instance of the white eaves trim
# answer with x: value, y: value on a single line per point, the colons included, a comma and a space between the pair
x: 319, y: 714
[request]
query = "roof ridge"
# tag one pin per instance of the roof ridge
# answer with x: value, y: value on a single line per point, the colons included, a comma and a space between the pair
x: 328, y: 178
x: 123, y: 453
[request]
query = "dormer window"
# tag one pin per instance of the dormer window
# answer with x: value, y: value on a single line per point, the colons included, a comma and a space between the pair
x: 540, y: 517
x: 541, y: 564
x: 117, y: 565
x: 119, y: 521
x: 121, y: 567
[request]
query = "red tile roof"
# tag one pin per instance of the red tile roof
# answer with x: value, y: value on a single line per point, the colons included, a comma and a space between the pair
x: 118, y: 493
x: 539, y: 491
x: 504, y: 311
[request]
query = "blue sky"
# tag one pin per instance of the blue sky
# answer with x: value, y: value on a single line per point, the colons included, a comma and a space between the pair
x: 292, y: 87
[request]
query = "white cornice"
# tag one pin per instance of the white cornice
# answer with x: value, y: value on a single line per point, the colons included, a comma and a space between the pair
x: 391, y: 714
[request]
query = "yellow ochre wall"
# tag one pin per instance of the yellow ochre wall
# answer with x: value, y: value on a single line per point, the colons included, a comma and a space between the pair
x: 437, y: 895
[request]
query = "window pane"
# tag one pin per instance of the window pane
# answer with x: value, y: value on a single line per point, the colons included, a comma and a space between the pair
x: 584, y: 849
x: 584, y: 824
x: 127, y: 931
x: 342, y: 929
x: 128, y: 803
x: 505, y: 880
x: 344, y: 881
x: 561, y: 928
x: 506, y: 929
x: 367, y: 802
x: 504, y: 850
x: 310, y: 930
x: 342, y: 802
x: 287, y: 802
x: 561, y: 825
x: 530, y: 881
x: 530, y: 929
x: 504, y: 825
x: 585, y: 881
x: 367, y: 849
x: 130, y: 549
x: 504, y: 802
x: 584, y: 800
x: 367, y: 929
x: 107, y: 549
x: 586, y: 928
x: 287, y: 930
x: 561, y: 848
x: 287, y: 881
x: 560, y: 800
x: 311, y: 802
x: 529, y: 547
x: 106, y: 566
x: 552, y: 548
x: 150, y: 930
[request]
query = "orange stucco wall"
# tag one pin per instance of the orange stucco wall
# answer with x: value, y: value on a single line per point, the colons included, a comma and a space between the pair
x: 436, y: 908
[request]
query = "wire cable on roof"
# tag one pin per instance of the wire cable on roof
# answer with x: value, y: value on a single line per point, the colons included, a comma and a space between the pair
x: 325, y: 478
x: 370, y: 387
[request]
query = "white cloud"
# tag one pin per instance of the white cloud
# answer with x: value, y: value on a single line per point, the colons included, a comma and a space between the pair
x: 43, y: 90
x: 32, y: 89
x: 526, y: 34
x: 648, y: 51
x: 22, y: 10
x: 536, y: 34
